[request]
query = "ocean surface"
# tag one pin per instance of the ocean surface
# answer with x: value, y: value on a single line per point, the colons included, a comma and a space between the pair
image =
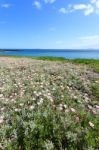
x: 72, y: 54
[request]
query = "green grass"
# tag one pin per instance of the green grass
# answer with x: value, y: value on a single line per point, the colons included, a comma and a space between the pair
x: 93, y: 63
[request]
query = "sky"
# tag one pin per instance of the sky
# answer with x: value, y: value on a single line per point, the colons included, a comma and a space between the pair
x: 49, y: 24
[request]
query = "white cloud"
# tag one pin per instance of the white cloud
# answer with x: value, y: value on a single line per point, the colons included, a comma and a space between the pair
x: 87, y: 9
x: 93, y: 37
x: 5, y: 5
x: 96, y: 3
x: 63, y: 10
x: 37, y: 4
x: 90, y: 41
x: 79, y: 6
x: 49, y: 1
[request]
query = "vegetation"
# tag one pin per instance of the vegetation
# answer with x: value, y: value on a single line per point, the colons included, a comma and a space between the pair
x: 49, y: 105
x: 92, y: 63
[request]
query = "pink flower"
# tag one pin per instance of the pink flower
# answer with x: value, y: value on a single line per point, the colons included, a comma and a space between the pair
x: 97, y: 107
x: 94, y: 112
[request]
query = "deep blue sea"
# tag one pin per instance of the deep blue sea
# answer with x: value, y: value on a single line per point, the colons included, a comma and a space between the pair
x: 55, y: 53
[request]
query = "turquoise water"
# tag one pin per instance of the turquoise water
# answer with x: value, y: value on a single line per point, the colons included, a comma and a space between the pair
x: 55, y: 53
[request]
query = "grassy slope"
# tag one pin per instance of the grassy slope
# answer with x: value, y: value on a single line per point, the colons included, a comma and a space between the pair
x: 60, y: 116
x: 93, y: 63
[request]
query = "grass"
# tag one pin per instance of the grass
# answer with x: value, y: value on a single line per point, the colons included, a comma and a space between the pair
x: 48, y: 105
x: 93, y: 63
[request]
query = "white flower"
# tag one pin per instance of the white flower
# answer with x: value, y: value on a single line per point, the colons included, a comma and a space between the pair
x: 38, y: 103
x: 49, y: 94
x: 91, y: 124
x: 1, y: 119
x: 39, y: 93
x: 33, y: 99
x: 1, y: 95
x: 66, y: 110
x: 17, y: 110
x: 2, y: 108
x: 35, y: 92
x: 72, y: 109
x: 89, y: 106
x: 51, y: 100
x: 21, y: 104
x: 41, y: 100
x: 75, y: 97
x: 61, y: 105
x: 65, y: 106
x: 31, y: 107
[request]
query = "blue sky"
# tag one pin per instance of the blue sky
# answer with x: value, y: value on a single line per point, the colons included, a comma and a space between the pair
x: 49, y: 24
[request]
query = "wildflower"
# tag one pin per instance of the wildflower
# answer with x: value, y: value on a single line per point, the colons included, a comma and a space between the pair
x: 66, y: 110
x: 89, y: 106
x: 41, y: 100
x: 72, y: 109
x: 41, y: 86
x: 94, y: 112
x: 39, y: 93
x: 49, y: 94
x: 35, y: 92
x: 1, y: 95
x: 75, y: 97
x: 31, y: 107
x: 65, y: 106
x: 38, y: 103
x: 21, y: 104
x: 53, y: 89
x: 1, y: 148
x: 97, y: 107
x: 51, y: 100
x: 77, y: 119
x: 1, y: 119
x: 91, y: 124
x: 2, y: 108
x: 86, y: 98
x: 17, y: 110
x: 33, y: 99
x: 68, y: 87
x: 62, y: 96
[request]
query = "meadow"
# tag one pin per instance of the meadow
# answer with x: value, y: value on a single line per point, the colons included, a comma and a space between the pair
x: 49, y: 104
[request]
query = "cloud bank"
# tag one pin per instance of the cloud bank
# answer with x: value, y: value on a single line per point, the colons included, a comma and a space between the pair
x: 87, y: 9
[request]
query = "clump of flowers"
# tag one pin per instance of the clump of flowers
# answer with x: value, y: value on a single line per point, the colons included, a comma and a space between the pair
x: 47, y: 105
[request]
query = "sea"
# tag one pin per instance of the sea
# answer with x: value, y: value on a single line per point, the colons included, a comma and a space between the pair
x: 68, y: 53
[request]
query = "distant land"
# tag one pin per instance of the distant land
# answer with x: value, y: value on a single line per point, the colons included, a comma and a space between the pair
x: 90, y: 49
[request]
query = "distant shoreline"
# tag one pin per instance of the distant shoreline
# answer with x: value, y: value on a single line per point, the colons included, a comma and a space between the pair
x: 2, y: 50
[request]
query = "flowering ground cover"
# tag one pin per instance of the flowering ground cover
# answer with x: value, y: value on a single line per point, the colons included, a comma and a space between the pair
x: 48, y: 105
